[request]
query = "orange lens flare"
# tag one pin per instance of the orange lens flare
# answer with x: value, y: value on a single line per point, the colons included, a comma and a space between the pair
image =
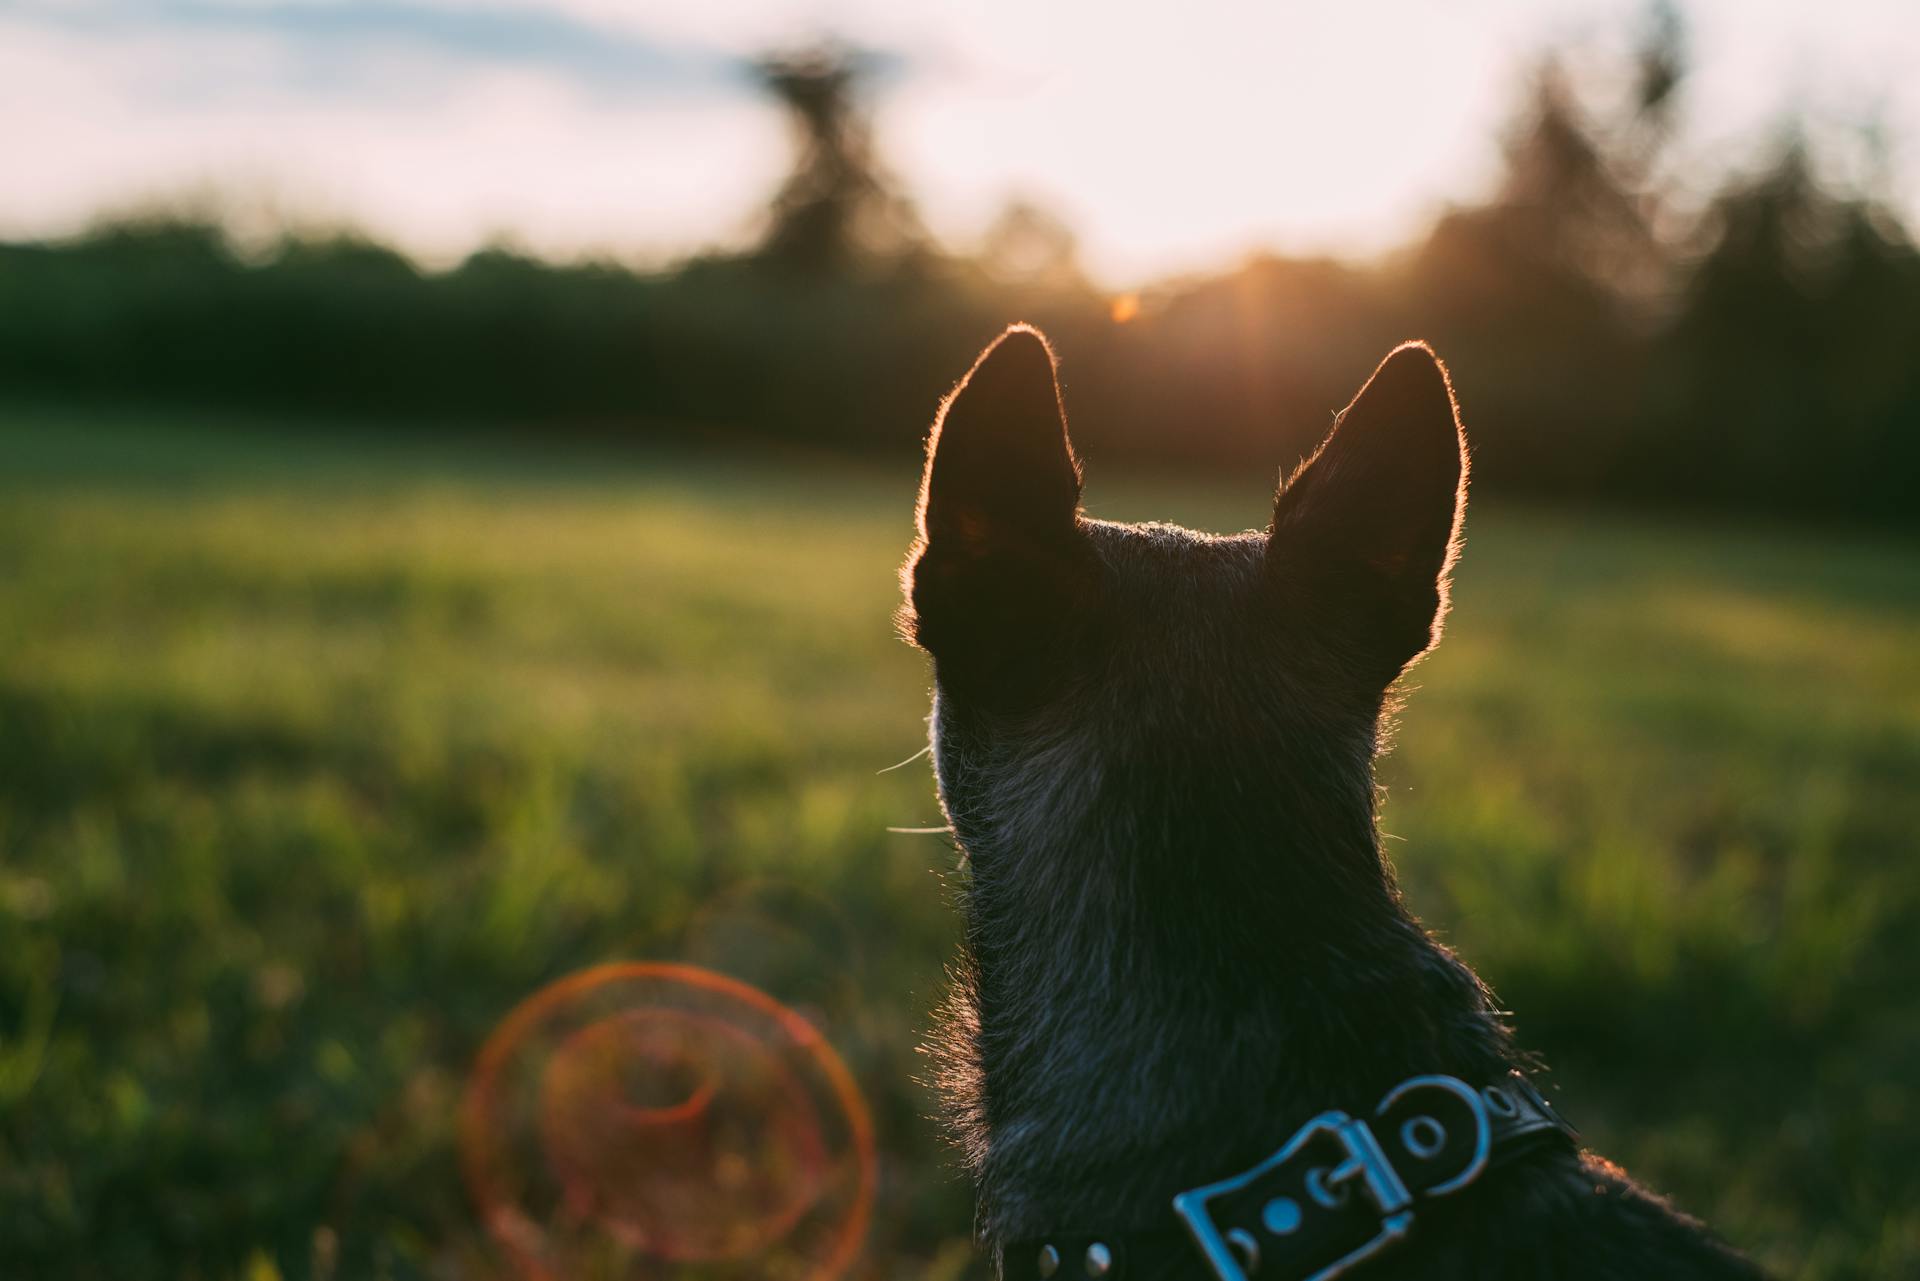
x: 636, y: 1117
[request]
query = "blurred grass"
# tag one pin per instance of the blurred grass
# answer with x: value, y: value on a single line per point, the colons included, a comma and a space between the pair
x: 319, y: 752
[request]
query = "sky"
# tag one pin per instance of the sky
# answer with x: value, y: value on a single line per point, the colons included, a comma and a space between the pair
x: 1173, y: 136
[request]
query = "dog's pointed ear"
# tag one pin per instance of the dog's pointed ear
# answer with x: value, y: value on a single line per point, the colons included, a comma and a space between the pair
x: 998, y: 503
x: 999, y: 464
x: 1366, y: 530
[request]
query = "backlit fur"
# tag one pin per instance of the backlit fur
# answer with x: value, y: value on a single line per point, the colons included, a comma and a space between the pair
x: 1156, y: 749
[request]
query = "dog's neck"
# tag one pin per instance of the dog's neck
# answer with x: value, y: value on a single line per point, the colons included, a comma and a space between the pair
x: 1146, y: 1006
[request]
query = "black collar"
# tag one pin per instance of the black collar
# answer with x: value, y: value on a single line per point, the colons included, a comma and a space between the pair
x: 1294, y: 1217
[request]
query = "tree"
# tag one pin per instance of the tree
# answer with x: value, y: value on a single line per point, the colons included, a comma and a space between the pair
x: 1029, y: 244
x: 838, y: 206
x: 1791, y: 367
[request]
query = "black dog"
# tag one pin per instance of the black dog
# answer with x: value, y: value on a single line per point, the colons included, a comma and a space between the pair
x: 1185, y: 949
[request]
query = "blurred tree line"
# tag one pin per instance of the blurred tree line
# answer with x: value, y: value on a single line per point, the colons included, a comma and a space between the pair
x: 1758, y: 351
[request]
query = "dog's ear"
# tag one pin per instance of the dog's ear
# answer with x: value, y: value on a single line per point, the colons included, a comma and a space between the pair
x: 999, y: 549
x: 1366, y: 531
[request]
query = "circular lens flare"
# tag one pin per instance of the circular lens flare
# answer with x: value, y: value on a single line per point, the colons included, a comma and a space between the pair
x: 635, y: 1117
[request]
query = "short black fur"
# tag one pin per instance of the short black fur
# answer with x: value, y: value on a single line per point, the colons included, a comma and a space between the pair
x: 1156, y: 748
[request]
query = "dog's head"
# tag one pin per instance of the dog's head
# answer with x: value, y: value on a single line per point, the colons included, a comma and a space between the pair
x: 1094, y: 676
x: 1156, y: 748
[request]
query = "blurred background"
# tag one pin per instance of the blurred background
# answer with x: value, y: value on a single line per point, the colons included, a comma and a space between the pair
x: 454, y: 458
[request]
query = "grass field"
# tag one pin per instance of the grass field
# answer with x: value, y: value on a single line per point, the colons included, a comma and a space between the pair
x: 316, y: 757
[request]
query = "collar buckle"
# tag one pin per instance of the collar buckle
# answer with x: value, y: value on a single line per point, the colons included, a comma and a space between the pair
x: 1233, y: 1251
x: 1369, y: 1164
x: 1297, y: 1216
x: 1298, y: 1203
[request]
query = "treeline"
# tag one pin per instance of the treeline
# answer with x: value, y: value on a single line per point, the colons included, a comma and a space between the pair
x: 1762, y: 354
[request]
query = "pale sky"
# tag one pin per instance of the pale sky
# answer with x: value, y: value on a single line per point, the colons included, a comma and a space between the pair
x: 1174, y: 135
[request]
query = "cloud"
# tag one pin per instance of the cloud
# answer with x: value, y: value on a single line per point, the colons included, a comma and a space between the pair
x: 436, y: 152
x: 371, y: 45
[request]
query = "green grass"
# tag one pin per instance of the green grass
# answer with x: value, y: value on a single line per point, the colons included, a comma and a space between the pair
x: 316, y: 757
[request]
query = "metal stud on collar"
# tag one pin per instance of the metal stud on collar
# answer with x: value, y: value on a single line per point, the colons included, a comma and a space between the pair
x: 1049, y: 1261
x: 1099, y: 1260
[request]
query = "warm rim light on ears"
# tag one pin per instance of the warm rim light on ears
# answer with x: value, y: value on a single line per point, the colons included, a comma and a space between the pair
x: 1125, y: 307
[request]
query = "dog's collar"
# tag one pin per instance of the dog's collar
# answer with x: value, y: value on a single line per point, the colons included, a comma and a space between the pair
x: 1295, y: 1216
